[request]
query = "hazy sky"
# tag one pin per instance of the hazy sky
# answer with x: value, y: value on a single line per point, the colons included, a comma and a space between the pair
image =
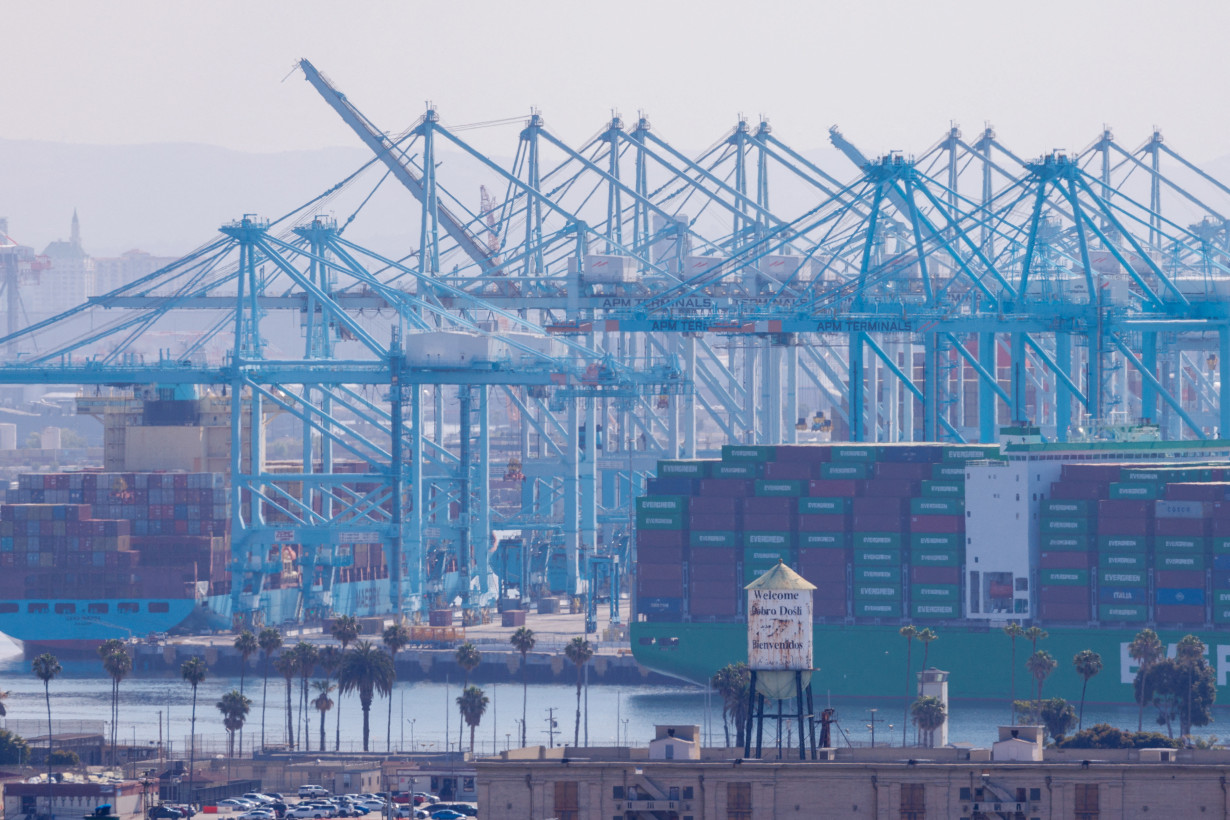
x: 892, y: 74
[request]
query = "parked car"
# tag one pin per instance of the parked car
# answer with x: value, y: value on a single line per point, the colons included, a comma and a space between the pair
x: 425, y: 797
x: 372, y: 804
x: 257, y: 797
x: 447, y: 814
x: 235, y: 804
x: 309, y: 812
x: 258, y: 814
x: 313, y: 791
x: 165, y: 813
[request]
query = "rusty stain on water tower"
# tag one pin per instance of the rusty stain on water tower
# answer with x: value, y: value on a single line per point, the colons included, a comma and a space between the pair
x: 779, y: 623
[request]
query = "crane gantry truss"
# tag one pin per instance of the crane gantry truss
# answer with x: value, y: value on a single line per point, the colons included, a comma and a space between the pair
x: 624, y: 301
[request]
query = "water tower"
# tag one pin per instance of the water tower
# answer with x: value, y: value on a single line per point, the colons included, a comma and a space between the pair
x: 779, y: 653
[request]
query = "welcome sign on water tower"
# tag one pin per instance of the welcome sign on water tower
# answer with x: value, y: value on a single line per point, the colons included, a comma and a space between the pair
x: 779, y: 628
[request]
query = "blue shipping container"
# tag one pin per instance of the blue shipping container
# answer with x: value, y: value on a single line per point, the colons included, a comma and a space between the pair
x: 1180, y: 597
x: 1221, y: 577
x: 1221, y: 562
x: 660, y: 606
x: 1122, y: 595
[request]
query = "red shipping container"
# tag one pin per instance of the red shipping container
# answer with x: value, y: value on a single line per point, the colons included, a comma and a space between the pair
x: 935, y: 575
x: 654, y: 539
x: 889, y: 488
x: 659, y: 555
x: 1179, y: 614
x: 1180, y: 526
x: 1219, y: 527
x: 1091, y: 472
x: 831, y: 579
x: 1064, y: 612
x: 1125, y: 508
x: 807, y: 453
x: 822, y: 557
x: 1087, y: 490
x: 727, y: 487
x: 715, y: 608
x: 709, y: 504
x: 903, y: 470
x: 833, y: 608
x: 937, y: 523
x: 823, y: 523
x: 714, y: 555
x: 872, y: 522
x: 783, y: 470
x: 769, y: 506
x: 1066, y: 560
x: 878, y: 506
x: 1180, y: 578
x: 714, y: 572
x: 1064, y: 595
x: 1112, y: 525
x: 714, y: 521
x: 769, y: 523
x: 833, y: 487
x: 648, y: 587
x: 1213, y: 491
x: 710, y: 590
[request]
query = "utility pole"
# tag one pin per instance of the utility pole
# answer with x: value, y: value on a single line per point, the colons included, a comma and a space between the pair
x: 871, y: 724
x: 551, y: 724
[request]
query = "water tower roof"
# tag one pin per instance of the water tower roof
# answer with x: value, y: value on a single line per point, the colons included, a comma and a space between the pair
x: 781, y: 577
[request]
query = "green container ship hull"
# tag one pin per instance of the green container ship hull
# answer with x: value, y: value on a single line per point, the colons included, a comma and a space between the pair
x: 869, y: 660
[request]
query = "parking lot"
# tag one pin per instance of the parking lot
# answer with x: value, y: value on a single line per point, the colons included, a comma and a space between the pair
x: 315, y: 803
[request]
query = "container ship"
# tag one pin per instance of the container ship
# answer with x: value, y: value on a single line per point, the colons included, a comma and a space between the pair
x: 1092, y: 541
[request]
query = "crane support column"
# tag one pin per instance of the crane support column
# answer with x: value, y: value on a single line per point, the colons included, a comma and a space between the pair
x: 855, y: 387
x: 688, y: 407
x: 414, y: 544
x: 465, y: 473
x: 986, y: 391
x: 1223, y: 370
x: 1148, y: 356
x: 481, y: 518
x: 931, y: 388
x: 1063, y: 395
x: 394, y: 559
x: 1019, y: 381
x: 792, y: 393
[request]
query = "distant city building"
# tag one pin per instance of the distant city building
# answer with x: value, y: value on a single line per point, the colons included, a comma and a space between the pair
x: 114, y: 272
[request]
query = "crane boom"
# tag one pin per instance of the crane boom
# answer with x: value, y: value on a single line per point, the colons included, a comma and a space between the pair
x: 385, y: 150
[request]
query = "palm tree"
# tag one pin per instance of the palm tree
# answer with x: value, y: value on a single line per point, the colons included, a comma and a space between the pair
x: 117, y: 664
x: 269, y: 640
x: 1040, y: 665
x: 323, y: 703
x: 472, y: 703
x: 396, y: 638
x: 468, y: 658
x: 1013, y: 631
x: 523, y: 641
x: 345, y: 630
x: 925, y: 636
x: 305, y: 664
x: 246, y: 645
x: 929, y: 715
x: 1146, y: 649
x: 579, y: 651
x: 366, y: 670
x: 1188, y: 655
x: 732, y: 682
x: 234, y: 706
x: 47, y: 669
x: 286, y: 666
x: 1088, y: 663
x: 909, y: 633
x: 1035, y: 634
x: 193, y: 671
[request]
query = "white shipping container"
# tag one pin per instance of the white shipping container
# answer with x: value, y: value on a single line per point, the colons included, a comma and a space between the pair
x: 442, y: 348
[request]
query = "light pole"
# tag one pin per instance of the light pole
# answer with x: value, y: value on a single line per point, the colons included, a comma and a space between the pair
x: 625, y: 742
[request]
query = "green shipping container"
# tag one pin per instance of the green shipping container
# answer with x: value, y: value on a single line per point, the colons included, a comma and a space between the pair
x: 1070, y: 507
x: 878, y: 592
x: 973, y: 452
x: 753, y: 571
x: 877, y: 609
x: 1122, y: 577
x: 937, y: 506
x: 646, y: 520
x: 948, y: 472
x: 882, y: 575
x: 854, y: 453
x: 775, y: 488
x: 735, y: 469
x: 748, y: 452
x: 713, y: 538
x: 943, y: 489
x: 1136, y: 489
x: 1066, y: 543
x: 766, y: 556
x: 845, y: 469
x: 1065, y: 526
x: 1220, y: 545
x: 1063, y: 577
x: 1221, y: 614
x: 1123, y: 612
x: 935, y: 610
x: 873, y: 557
x: 1123, y: 561
x: 767, y: 539
x: 936, y: 540
x: 823, y: 506
x: 935, y: 558
x: 1123, y: 543
x: 684, y: 469
x: 881, y: 540
x: 663, y: 503
x: 1166, y: 475
x: 1179, y: 544
x: 935, y: 592
x: 1221, y: 597
x: 823, y: 540
x: 1170, y: 560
